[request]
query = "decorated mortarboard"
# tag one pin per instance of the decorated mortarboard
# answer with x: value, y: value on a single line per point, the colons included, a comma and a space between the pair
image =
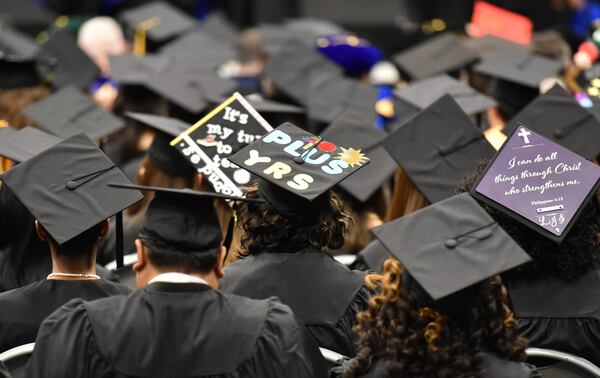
x: 538, y: 182
x: 355, y: 55
x: 354, y: 129
x: 210, y: 142
x: 438, y: 147
x: 489, y: 19
x: 329, y: 95
x: 201, y: 46
x: 69, y: 112
x: 298, y: 166
x: 25, y: 143
x: 519, y: 67
x: 425, y: 92
x: 557, y: 116
x: 444, y: 267
x: 66, y: 188
x: 156, y: 22
x: 442, y: 53
x: 161, y: 152
x: 71, y: 66
x: 290, y: 68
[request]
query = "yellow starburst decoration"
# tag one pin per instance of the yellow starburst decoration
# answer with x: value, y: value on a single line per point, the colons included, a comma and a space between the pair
x: 352, y: 157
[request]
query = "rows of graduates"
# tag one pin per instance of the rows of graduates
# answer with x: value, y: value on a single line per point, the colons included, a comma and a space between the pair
x: 180, y: 198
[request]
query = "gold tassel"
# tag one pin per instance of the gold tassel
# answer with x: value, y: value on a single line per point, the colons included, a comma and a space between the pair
x: 141, y: 31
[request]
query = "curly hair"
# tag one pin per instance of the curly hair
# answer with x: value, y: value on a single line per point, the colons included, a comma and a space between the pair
x: 267, y: 230
x: 415, y: 341
x: 577, y: 255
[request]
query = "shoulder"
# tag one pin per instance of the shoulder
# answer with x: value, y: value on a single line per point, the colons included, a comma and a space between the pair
x: 20, y: 296
x: 496, y: 367
x: 113, y: 288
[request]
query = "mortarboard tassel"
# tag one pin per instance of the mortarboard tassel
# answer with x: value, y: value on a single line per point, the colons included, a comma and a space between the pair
x: 141, y: 31
x: 120, y: 247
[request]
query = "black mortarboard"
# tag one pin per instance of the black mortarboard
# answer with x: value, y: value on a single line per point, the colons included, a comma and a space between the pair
x: 190, y: 86
x: 161, y: 152
x: 181, y: 223
x: 438, y: 147
x: 71, y: 66
x: 425, y: 92
x: 557, y: 116
x: 442, y: 53
x: 69, y: 112
x: 16, y: 44
x: 290, y: 68
x: 297, y: 169
x: 444, y: 266
x: 23, y: 144
x: 66, y: 187
x: 538, y: 182
x: 160, y: 20
x: 329, y: 95
x: 6, y: 129
x: 25, y: 15
x: 217, y: 25
x: 519, y: 67
x: 204, y: 48
x: 491, y: 44
x: 212, y: 140
x: 374, y: 255
x: 354, y: 129
x: 132, y: 69
x: 18, y: 73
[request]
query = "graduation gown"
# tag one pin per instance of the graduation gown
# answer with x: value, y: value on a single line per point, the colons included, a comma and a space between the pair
x: 324, y: 294
x: 560, y: 316
x: 174, y: 330
x: 494, y: 367
x: 22, y: 310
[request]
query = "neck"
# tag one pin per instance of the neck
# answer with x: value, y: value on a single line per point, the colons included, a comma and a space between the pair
x: 84, y: 264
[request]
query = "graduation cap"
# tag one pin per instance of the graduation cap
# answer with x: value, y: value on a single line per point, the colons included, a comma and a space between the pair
x: 329, y: 95
x: 16, y: 44
x: 558, y: 117
x: 354, y: 129
x: 355, y: 55
x: 156, y: 22
x: 21, y: 145
x: 519, y: 67
x: 25, y: 15
x: 210, y: 142
x: 161, y: 152
x: 438, y: 147
x: 189, y: 86
x: 538, y: 182
x: 17, y: 73
x: 202, y: 47
x: 6, y: 129
x: 69, y: 112
x: 71, y: 65
x: 217, y: 25
x: 445, y: 267
x: 290, y: 68
x: 442, y: 53
x: 425, y: 92
x: 66, y: 188
x: 297, y: 169
x: 132, y: 69
x: 489, y: 19
x: 491, y: 44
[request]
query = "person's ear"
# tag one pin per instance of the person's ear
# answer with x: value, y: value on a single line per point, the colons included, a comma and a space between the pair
x: 142, y: 258
x: 41, y: 233
x: 104, y: 229
x: 220, y: 263
x: 141, y: 173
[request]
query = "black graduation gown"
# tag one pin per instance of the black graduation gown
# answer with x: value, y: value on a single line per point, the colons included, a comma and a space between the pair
x: 4, y: 371
x: 22, y: 310
x: 494, y: 367
x: 560, y: 316
x: 324, y: 294
x: 174, y: 330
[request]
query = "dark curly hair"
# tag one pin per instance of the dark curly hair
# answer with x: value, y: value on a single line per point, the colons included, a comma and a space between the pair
x: 577, y: 255
x: 415, y: 341
x: 267, y: 230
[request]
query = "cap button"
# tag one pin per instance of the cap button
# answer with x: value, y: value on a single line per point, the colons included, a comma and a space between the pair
x: 71, y: 185
x: 558, y: 133
x: 451, y: 243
